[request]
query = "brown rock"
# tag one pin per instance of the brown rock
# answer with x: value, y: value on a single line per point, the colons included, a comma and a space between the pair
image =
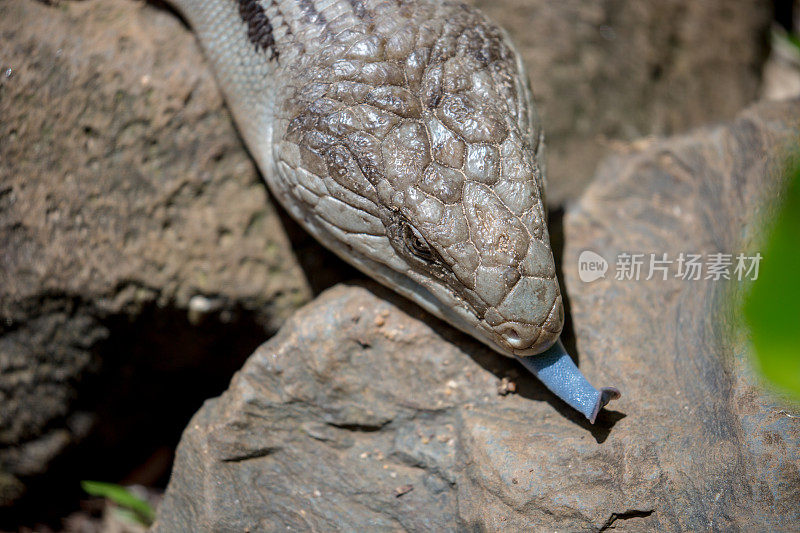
x: 135, y: 232
x: 329, y: 417
x: 679, y: 349
x: 607, y: 71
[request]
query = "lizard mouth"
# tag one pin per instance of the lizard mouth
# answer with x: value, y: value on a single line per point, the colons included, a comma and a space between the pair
x: 510, y: 338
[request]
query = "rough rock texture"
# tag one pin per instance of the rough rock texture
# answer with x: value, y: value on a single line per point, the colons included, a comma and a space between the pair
x: 609, y: 71
x: 365, y: 414
x: 128, y: 208
x: 727, y: 453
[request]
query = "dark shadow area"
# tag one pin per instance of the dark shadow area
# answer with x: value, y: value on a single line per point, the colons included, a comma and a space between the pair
x: 784, y: 14
x: 555, y: 223
x: 163, y: 5
x: 627, y: 515
x: 149, y: 377
x: 323, y: 269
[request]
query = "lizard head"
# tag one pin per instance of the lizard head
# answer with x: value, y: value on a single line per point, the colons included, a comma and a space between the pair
x: 474, y: 235
x: 418, y: 154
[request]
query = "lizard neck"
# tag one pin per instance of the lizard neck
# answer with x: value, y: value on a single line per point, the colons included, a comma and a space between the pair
x: 256, y: 46
x: 279, y: 29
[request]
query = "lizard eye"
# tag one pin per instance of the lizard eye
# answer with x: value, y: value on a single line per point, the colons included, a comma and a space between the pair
x: 416, y: 244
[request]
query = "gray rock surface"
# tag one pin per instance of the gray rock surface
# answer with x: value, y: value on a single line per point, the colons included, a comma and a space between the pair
x: 365, y: 414
x: 127, y: 204
x: 727, y: 452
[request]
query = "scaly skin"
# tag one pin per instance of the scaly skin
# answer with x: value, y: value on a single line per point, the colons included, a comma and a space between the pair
x: 401, y: 134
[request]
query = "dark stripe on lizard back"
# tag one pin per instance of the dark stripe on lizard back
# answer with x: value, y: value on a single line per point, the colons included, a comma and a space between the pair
x: 259, y: 28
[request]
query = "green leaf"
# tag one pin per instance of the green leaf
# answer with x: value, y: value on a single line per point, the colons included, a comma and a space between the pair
x: 129, y: 517
x: 794, y: 40
x: 122, y: 497
x: 772, y: 309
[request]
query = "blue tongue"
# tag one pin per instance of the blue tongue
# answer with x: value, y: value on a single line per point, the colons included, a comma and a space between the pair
x: 556, y: 370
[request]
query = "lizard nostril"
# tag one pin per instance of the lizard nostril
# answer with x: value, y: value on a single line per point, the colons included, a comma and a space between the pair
x: 522, y: 337
x: 512, y: 336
